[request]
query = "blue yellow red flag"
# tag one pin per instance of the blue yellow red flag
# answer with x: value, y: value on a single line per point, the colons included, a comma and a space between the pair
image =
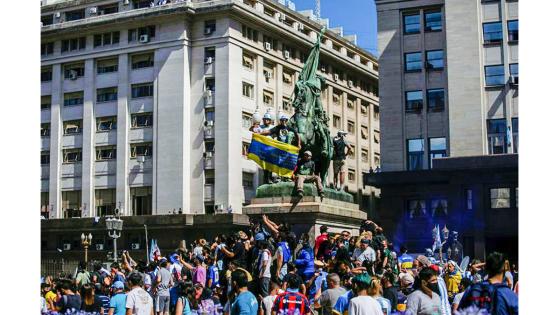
x: 273, y: 155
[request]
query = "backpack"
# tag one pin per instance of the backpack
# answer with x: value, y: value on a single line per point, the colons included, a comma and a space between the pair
x: 482, y: 295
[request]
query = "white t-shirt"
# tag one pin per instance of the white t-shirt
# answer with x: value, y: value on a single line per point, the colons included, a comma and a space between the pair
x: 139, y: 301
x: 267, y: 304
x: 364, y: 305
x: 457, y: 298
x: 421, y: 304
x: 265, y: 257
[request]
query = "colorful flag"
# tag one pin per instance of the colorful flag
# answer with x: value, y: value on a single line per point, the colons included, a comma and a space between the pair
x: 273, y: 155
x: 437, y: 238
x: 154, y: 251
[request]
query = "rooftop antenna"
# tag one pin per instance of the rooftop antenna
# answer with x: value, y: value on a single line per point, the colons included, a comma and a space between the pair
x: 318, y: 9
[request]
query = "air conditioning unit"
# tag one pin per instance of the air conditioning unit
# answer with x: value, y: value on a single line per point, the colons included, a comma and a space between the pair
x: 141, y: 159
x: 73, y: 75
x: 267, y: 46
x: 99, y: 246
x: 209, y: 60
x: 208, y: 155
x: 66, y: 246
x: 267, y: 74
x: 208, y: 31
x: 93, y: 10
x: 219, y: 208
x: 282, y: 17
x: 144, y: 38
x: 286, y: 54
x: 209, y: 123
x: 300, y: 27
x: 57, y: 15
x: 513, y: 80
x: 135, y: 246
x: 336, y: 76
x: 351, y: 84
x: 208, y: 93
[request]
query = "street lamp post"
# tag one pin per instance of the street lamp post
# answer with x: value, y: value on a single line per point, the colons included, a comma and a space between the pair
x: 114, y: 227
x: 86, y: 242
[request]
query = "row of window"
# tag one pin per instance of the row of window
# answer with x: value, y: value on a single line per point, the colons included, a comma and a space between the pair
x: 415, y: 152
x: 76, y: 70
x: 501, y: 136
x: 108, y: 123
x: 432, y: 22
x: 492, y: 32
x: 494, y: 75
x: 434, y: 61
x: 102, y: 153
x: 80, y: 14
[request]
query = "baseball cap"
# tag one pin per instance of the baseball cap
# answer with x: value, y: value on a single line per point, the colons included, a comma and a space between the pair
x: 267, y: 116
x: 365, y: 241
x: 307, y: 153
x: 362, y: 277
x: 118, y: 285
x: 284, y: 117
x: 424, y: 260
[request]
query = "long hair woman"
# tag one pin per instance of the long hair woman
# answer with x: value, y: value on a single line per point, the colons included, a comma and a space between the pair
x: 186, y: 302
x: 90, y: 302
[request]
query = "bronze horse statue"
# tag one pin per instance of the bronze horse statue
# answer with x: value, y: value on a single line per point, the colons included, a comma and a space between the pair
x: 310, y: 120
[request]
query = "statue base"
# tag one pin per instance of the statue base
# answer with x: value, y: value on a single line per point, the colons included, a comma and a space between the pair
x: 282, y: 205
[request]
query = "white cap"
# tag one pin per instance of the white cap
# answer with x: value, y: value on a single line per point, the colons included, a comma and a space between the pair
x: 267, y: 116
x: 256, y: 117
x: 284, y: 116
x: 308, y: 153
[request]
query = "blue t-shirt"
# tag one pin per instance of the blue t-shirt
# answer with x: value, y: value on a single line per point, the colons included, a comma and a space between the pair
x: 245, y: 304
x: 105, y: 303
x: 320, y: 282
x: 343, y: 301
x: 118, y: 302
x: 214, y: 275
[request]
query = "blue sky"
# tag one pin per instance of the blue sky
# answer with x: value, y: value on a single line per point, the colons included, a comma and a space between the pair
x: 355, y: 16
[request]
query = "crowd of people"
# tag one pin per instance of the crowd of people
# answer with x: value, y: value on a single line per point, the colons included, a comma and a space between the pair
x: 269, y: 270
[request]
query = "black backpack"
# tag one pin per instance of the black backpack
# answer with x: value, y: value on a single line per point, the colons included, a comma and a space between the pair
x: 482, y: 295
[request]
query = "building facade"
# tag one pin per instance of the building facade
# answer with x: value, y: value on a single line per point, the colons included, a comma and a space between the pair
x: 448, y: 89
x: 147, y: 109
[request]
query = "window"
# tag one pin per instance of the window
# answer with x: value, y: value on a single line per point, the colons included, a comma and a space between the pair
x: 351, y: 103
x: 365, y: 156
x: 336, y: 98
x: 209, y: 27
x: 142, y: 90
x: 140, y: 149
x: 248, y: 90
x: 287, y: 78
x: 104, y: 153
x: 438, y: 207
x: 47, y: 49
x: 107, y: 94
x: 499, y: 198
x: 45, y: 157
x: 364, y: 108
x: 411, y: 23
x: 513, y: 30
x: 135, y: 33
x: 108, y: 9
x: 139, y: 4
x: 141, y: 120
x: 210, y: 84
x: 415, y: 152
x: 209, y: 114
x: 497, y: 133
x: 271, y: 42
x: 515, y: 134
x: 141, y: 200
x: 247, y: 120
x: 248, y: 61
x: 432, y: 21
x: 209, y: 146
x: 142, y: 61
x: 434, y: 59
x: 376, y: 136
x: 74, y: 71
x: 514, y: 73
x: 416, y: 209
x: 45, y: 129
x: 494, y: 75
x: 45, y: 102
x: 268, y: 98
x: 73, y: 44
x: 106, y: 123
x: 71, y: 155
x: 105, y: 202
x: 436, y: 100
x: 74, y: 15
x: 376, y: 112
x: 336, y: 122
x: 107, y: 65
x: 351, y: 175
x: 106, y: 39
x: 74, y: 98
x: 72, y: 127
x: 437, y: 149
x: 250, y: 33
x: 364, y: 132
x: 286, y: 105
x: 209, y: 54
x: 47, y: 19
x: 376, y: 160
x: 72, y: 205
x: 469, y: 199
x: 247, y: 180
x: 413, y: 62
x: 46, y: 74
x: 245, y: 148
x: 414, y: 101
x: 268, y: 71
x: 352, y: 152
x: 350, y: 127
x: 492, y: 32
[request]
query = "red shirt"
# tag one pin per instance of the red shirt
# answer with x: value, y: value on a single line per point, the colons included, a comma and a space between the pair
x: 291, y: 303
x: 320, y: 239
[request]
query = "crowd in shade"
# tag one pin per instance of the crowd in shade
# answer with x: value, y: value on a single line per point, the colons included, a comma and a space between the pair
x: 269, y: 270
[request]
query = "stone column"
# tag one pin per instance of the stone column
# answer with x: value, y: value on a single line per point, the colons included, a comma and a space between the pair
x: 123, y: 147
x: 88, y: 142
x: 55, y: 145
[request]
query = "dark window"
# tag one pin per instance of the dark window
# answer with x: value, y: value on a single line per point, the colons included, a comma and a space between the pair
x: 141, y: 149
x: 438, y: 207
x: 45, y: 130
x: 107, y: 94
x: 513, y: 31
x: 75, y: 15
x: 47, y: 19
x: 416, y: 209
x: 72, y: 127
x: 250, y: 33
x: 513, y: 72
x: 209, y: 27
x: 107, y: 66
x: 74, y: 71
x: 76, y: 98
x: 209, y: 52
x: 141, y: 120
x: 414, y: 101
x: 432, y: 21
x: 492, y: 32
x: 497, y: 136
x: 210, y: 84
x: 415, y: 152
x: 494, y: 75
x: 142, y: 61
x: 500, y: 198
x: 73, y: 44
x: 437, y: 149
x: 413, y: 62
x: 47, y: 49
x: 106, y: 39
x: 134, y: 34
x: 106, y: 123
x: 411, y: 23
x: 72, y: 155
x: 45, y: 157
x: 108, y: 9
x: 142, y: 90
x: 515, y: 134
x: 105, y: 153
x: 436, y: 100
x: 45, y: 102
x: 46, y: 75
x: 434, y: 59
x: 139, y: 4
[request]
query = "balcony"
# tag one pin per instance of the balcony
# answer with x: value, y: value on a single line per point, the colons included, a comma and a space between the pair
x: 106, y: 137
x: 209, y: 67
x: 209, y: 162
x: 45, y: 169
x: 108, y: 167
x: 45, y: 115
x: 208, y: 192
x: 141, y: 105
x: 72, y: 141
x: 71, y: 170
x: 105, y: 109
x: 140, y: 134
x: 45, y: 143
x: 208, y: 99
x: 209, y: 131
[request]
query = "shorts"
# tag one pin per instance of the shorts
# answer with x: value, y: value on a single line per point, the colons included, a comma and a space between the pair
x: 162, y: 303
x: 339, y: 166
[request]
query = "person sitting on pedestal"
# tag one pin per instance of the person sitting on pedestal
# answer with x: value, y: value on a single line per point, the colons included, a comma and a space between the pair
x: 305, y: 172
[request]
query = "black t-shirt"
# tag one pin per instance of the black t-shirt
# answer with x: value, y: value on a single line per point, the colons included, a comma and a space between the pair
x: 391, y: 294
x: 69, y: 302
x: 95, y: 307
x: 240, y: 254
x: 305, y: 167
